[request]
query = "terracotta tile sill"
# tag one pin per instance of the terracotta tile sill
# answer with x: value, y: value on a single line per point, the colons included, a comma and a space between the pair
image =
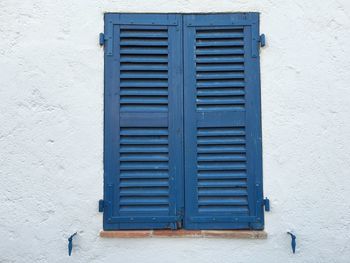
x: 239, y: 234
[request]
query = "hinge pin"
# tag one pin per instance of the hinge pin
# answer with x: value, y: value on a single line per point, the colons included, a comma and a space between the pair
x: 262, y: 40
x: 102, y: 39
x: 101, y: 205
x: 266, y: 203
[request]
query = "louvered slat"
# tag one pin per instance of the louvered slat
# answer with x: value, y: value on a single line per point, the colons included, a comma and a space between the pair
x: 140, y: 128
x: 219, y: 69
x: 144, y: 176
x: 227, y: 169
x: 144, y: 152
x: 143, y: 70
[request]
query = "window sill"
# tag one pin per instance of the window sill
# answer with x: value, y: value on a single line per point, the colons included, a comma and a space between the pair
x: 233, y: 234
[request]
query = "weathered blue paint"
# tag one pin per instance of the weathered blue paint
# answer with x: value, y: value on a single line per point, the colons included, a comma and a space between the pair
x: 143, y: 121
x: 166, y: 73
x: 223, y: 171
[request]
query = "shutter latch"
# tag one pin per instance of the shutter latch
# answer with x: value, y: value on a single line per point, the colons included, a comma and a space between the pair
x: 262, y: 40
x: 266, y: 204
x: 102, y: 39
x: 101, y: 204
x: 294, y: 242
x: 70, y: 244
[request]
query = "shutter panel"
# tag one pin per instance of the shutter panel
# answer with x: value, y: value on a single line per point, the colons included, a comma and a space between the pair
x: 222, y: 122
x: 143, y: 121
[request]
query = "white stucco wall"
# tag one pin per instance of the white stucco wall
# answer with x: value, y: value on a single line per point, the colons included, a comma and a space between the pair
x: 51, y: 115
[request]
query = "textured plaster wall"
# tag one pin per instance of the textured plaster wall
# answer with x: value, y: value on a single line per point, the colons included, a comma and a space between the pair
x: 51, y: 120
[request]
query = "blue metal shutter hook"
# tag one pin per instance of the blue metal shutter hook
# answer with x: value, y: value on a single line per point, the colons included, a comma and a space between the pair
x: 293, y: 243
x: 70, y: 244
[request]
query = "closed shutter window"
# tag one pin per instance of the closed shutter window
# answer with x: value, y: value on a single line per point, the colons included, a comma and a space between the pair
x: 143, y: 125
x: 182, y: 122
x: 222, y: 124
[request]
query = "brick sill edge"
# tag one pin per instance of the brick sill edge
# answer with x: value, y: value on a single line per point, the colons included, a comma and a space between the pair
x: 239, y: 234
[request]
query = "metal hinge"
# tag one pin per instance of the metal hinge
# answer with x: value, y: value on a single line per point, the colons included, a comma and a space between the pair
x: 266, y: 204
x: 101, y: 205
x: 102, y: 39
x: 262, y: 40
x: 106, y: 40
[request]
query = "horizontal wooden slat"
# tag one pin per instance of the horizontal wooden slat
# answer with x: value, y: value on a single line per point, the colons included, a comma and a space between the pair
x: 219, y: 35
x: 144, y: 192
x: 222, y: 200
x: 143, y: 34
x: 150, y: 200
x: 222, y: 166
x: 219, y: 100
x: 144, y: 91
x: 223, y: 131
x: 217, y: 43
x: 213, y: 59
x: 143, y: 165
x: 212, y: 51
x: 143, y: 66
x: 219, y: 174
x: 143, y: 42
x: 213, y: 84
x: 222, y: 192
x: 220, y: 92
x: 143, y: 149
x: 143, y: 131
x: 145, y: 50
x: 219, y: 67
x: 220, y: 149
x: 144, y: 183
x: 144, y: 140
x: 221, y: 158
x: 220, y: 75
x: 143, y: 174
x: 149, y: 209
x: 143, y: 59
x: 139, y: 100
x: 144, y: 75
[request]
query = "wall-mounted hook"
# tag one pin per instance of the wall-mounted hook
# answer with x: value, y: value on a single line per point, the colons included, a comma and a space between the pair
x: 70, y: 244
x: 294, y: 242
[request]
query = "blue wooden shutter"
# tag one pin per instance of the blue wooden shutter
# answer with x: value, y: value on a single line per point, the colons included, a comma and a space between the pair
x: 143, y: 121
x: 223, y: 168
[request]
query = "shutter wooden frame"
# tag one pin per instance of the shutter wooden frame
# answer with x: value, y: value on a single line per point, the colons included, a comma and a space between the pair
x: 219, y: 115
x: 139, y: 111
x: 182, y: 98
